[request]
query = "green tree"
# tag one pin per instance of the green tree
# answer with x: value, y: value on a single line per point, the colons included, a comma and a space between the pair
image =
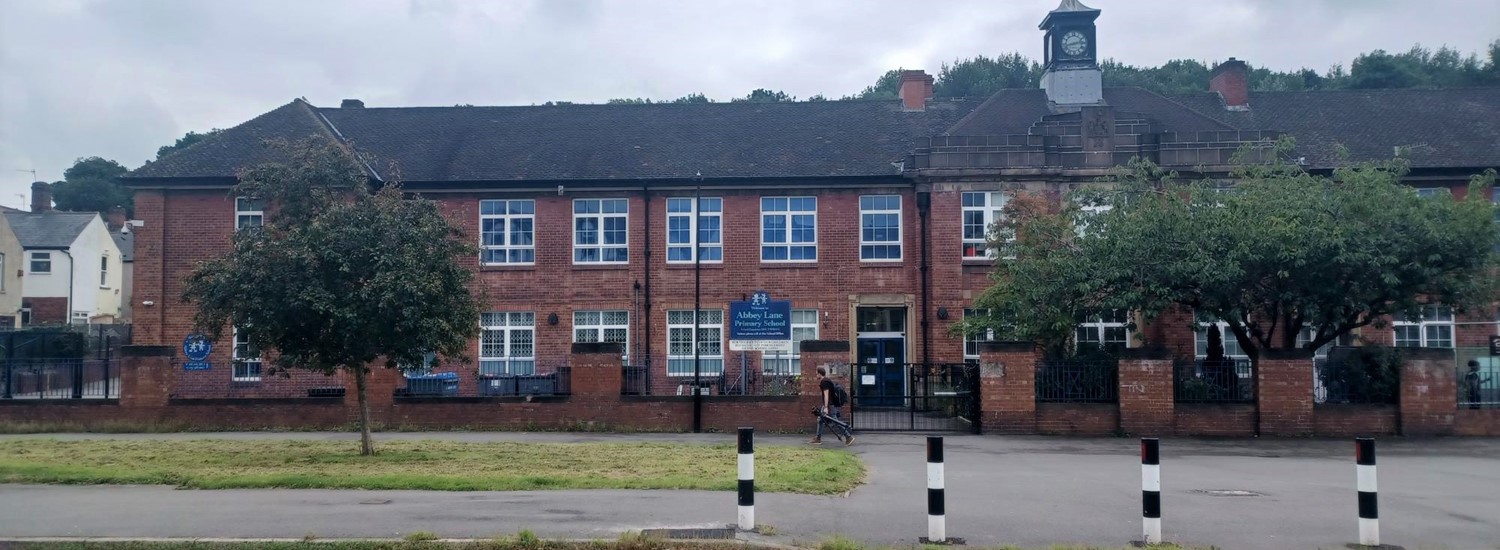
x: 1280, y: 251
x: 90, y: 185
x: 763, y: 95
x: 693, y: 98
x: 888, y: 86
x: 339, y: 277
x: 185, y: 141
x: 983, y: 76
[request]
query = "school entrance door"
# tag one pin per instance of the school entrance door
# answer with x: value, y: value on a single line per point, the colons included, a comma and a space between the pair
x: 889, y: 394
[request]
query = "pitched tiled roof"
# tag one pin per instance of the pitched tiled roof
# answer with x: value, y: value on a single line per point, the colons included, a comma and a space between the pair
x: 243, y: 146
x: 1444, y: 128
x: 49, y: 229
x: 593, y: 142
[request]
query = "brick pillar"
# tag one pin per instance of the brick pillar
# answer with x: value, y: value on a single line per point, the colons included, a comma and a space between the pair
x: 145, y: 376
x: 149, y: 268
x: 1007, y: 387
x: 1429, y: 391
x: 832, y: 355
x: 1284, y: 391
x: 1146, y: 400
x: 597, y: 371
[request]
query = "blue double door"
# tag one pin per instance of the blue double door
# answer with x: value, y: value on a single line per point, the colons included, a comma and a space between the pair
x: 880, y: 376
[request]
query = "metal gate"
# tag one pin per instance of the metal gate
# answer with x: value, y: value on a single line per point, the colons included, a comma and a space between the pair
x: 932, y: 397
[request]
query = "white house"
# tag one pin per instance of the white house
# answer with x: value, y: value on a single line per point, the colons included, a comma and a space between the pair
x: 73, y: 270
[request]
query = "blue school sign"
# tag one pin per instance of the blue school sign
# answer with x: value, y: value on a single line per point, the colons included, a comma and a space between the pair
x: 760, y: 324
x: 196, y: 347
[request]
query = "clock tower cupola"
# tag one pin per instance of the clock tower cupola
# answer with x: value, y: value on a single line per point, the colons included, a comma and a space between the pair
x: 1070, y: 56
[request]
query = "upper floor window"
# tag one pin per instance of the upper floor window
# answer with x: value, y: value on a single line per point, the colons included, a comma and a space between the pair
x: 245, y: 357
x: 1429, y: 327
x: 507, y: 343
x: 697, y: 226
x: 880, y: 228
x: 104, y: 271
x: 41, y: 263
x: 804, y: 327
x: 248, y: 212
x: 788, y: 229
x: 708, y: 339
x: 981, y: 211
x: 507, y: 231
x: 602, y: 326
x: 1433, y: 192
x: 600, y: 231
x: 1105, y: 331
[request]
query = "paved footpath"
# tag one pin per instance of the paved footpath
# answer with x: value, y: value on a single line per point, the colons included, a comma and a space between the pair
x: 1028, y: 491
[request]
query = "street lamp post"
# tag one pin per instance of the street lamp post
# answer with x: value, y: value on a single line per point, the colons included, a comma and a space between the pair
x: 697, y: 309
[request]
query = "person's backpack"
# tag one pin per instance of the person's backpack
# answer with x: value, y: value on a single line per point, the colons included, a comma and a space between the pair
x: 838, y: 397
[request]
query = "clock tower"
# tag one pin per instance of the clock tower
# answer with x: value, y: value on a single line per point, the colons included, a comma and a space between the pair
x: 1070, y: 56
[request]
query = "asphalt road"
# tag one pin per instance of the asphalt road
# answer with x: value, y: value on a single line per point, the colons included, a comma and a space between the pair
x: 1029, y: 491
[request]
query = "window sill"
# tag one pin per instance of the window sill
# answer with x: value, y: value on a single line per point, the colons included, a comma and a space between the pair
x: 789, y: 265
x: 507, y: 267
x: 704, y: 265
x: 882, y: 263
x: 600, y: 267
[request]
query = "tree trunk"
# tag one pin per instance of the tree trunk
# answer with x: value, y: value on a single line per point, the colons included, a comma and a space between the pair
x: 366, y: 448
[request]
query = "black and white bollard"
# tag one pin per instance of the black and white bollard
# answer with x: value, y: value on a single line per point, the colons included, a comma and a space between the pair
x: 1369, y: 513
x: 937, y: 528
x: 747, y: 479
x: 1151, y: 489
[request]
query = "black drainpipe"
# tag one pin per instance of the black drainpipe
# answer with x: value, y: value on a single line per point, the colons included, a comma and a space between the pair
x: 924, y: 206
x: 646, y: 322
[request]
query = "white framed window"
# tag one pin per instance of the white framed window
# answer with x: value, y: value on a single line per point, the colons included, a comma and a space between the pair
x: 507, y: 232
x: 1429, y: 327
x: 972, y: 341
x: 699, y: 226
x: 681, y: 339
x: 804, y: 327
x: 246, y: 359
x: 1306, y: 336
x: 104, y: 271
x: 1087, y: 213
x: 602, y: 326
x: 25, y: 316
x: 248, y: 212
x: 423, y: 368
x: 1232, y: 347
x: 981, y: 211
x: 79, y: 318
x: 1104, y: 331
x: 507, y: 342
x: 880, y: 228
x: 600, y: 231
x: 788, y: 229
x: 41, y: 263
x: 1433, y: 192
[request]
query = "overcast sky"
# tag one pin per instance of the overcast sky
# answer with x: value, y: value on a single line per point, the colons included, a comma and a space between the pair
x: 119, y: 78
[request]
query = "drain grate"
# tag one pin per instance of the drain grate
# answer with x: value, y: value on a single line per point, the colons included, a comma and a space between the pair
x: 1228, y: 493
x: 690, y: 534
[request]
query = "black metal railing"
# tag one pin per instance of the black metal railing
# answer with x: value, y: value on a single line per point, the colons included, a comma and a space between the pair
x: 1078, y: 381
x: 635, y: 380
x: 913, y: 396
x: 1479, y: 384
x: 1214, y: 381
x: 60, y: 379
x: 1346, y: 381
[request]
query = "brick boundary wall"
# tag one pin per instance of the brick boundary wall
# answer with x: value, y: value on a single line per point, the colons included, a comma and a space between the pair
x: 1428, y: 402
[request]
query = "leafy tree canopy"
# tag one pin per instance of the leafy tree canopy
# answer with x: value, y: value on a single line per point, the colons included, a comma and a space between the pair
x: 185, y: 141
x: 90, y: 186
x: 339, y: 277
x: 1279, y: 251
x: 763, y: 95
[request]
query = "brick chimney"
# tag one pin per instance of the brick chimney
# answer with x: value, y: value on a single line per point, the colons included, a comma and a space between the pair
x: 352, y: 104
x: 1232, y: 80
x: 916, y: 88
x: 41, y: 197
x: 115, y: 219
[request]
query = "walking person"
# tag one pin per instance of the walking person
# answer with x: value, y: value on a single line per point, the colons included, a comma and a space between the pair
x: 833, y: 398
x: 1473, y: 383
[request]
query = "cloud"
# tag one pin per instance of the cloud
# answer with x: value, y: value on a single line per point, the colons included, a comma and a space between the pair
x: 119, y: 78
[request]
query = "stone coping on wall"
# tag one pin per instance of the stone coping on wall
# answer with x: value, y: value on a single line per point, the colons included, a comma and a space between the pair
x: 216, y: 401
x: 614, y: 348
x: 1425, y: 354
x: 414, y: 400
x: 1007, y: 347
x: 89, y: 401
x: 710, y: 398
x: 1152, y: 353
x: 1286, y: 354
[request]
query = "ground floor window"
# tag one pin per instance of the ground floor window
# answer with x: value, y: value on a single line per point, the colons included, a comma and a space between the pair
x: 246, y: 359
x: 973, y: 340
x: 681, y: 341
x: 507, y: 343
x: 804, y: 327
x: 1106, y: 331
x: 602, y: 326
x: 1231, y: 344
x: 1429, y: 327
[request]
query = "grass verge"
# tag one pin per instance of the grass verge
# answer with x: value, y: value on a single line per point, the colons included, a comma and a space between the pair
x: 429, y: 465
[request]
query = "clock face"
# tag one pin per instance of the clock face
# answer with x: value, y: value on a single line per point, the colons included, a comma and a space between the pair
x: 1074, y: 43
